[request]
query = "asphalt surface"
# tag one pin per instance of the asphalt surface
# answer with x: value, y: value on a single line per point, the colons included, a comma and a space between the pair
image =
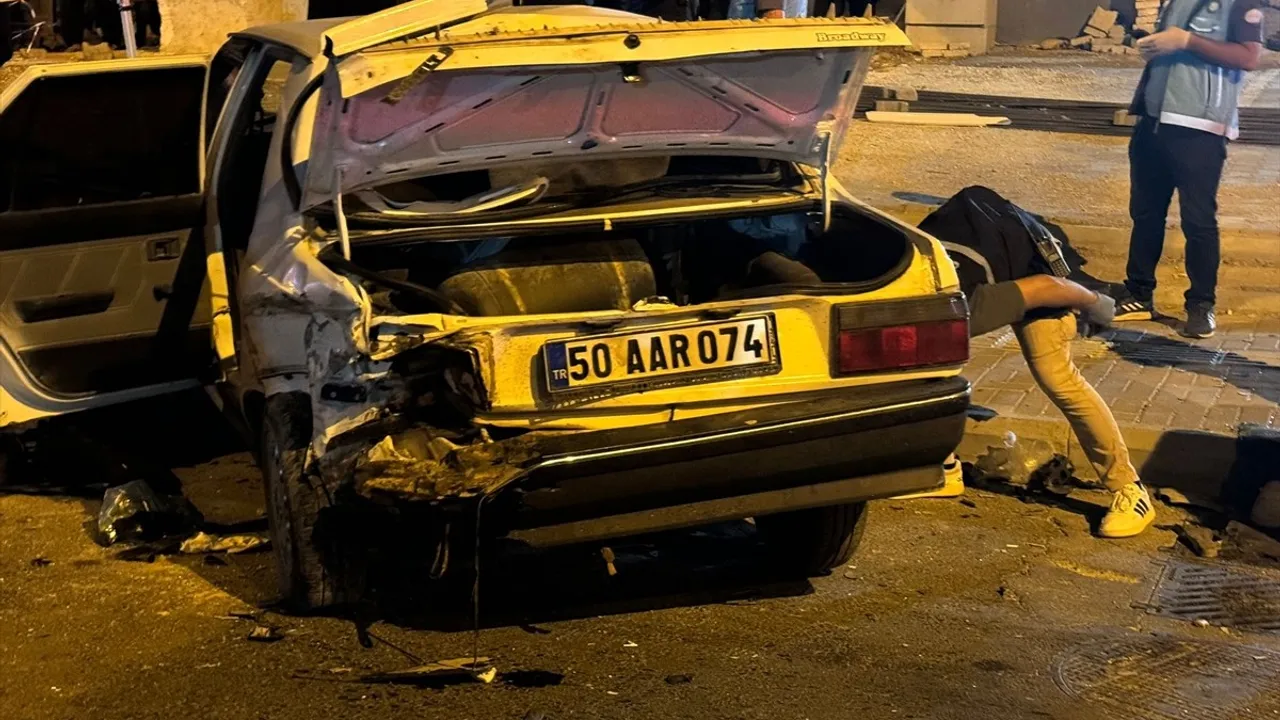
x: 951, y: 609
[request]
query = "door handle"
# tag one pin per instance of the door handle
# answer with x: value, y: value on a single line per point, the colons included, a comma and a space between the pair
x: 57, y: 307
x: 163, y: 248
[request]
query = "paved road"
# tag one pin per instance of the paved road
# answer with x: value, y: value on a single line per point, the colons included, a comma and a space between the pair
x: 951, y: 610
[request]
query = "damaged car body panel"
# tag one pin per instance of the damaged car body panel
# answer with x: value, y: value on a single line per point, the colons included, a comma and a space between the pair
x: 584, y: 269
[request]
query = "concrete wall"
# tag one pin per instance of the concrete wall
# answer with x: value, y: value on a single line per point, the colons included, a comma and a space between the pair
x: 1030, y: 21
x: 202, y: 26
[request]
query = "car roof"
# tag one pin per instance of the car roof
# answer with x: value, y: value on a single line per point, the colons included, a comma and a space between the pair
x: 304, y: 36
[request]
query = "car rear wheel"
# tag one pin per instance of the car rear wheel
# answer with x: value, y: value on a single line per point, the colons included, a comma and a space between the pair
x: 294, y: 503
x: 814, y: 541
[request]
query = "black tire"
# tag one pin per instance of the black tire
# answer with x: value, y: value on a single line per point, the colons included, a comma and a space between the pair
x: 814, y: 541
x: 294, y: 503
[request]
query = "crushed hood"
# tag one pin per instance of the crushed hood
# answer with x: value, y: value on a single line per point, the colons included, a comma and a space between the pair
x: 537, y: 84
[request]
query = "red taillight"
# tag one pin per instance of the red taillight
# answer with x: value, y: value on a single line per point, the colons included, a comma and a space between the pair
x: 944, y: 342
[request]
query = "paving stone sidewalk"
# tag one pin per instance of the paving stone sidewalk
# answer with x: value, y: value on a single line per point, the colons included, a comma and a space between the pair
x: 1152, y: 378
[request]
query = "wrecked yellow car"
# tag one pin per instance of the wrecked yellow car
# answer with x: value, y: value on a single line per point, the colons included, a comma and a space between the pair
x: 559, y: 275
x: 583, y: 275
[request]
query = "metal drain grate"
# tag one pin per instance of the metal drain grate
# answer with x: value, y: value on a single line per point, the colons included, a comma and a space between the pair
x: 1218, y: 594
x: 1168, y: 678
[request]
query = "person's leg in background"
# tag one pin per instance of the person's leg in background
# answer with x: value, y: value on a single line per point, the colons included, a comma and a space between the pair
x: 795, y: 8
x: 106, y: 15
x: 1197, y: 171
x: 146, y: 16
x: 71, y: 22
x: 858, y: 8
x: 742, y: 9
x: 1046, y: 345
x: 1151, y: 185
x: 6, y: 33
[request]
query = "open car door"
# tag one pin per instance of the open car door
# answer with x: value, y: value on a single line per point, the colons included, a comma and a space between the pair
x: 102, y: 292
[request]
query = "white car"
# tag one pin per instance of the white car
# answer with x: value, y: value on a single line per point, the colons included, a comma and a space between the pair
x: 579, y: 273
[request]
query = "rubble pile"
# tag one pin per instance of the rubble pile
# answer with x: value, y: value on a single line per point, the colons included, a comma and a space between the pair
x: 1104, y: 32
x: 1148, y: 12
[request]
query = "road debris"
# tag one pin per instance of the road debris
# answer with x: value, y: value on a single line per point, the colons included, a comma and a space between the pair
x: 629, y: 644
x: 681, y: 679
x: 41, y: 562
x: 936, y: 119
x: 1200, y: 540
x: 1177, y: 498
x: 133, y: 512
x: 1245, y: 544
x: 203, y: 542
x: 265, y: 634
x: 1266, y: 509
x: 442, y: 672
x: 1007, y: 593
x: 1201, y: 623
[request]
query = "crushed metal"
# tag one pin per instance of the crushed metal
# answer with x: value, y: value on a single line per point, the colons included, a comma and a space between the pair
x: 1163, y: 677
x: 1217, y: 593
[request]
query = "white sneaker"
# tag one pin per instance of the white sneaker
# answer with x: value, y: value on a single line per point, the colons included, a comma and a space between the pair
x: 952, y: 482
x: 1131, y: 512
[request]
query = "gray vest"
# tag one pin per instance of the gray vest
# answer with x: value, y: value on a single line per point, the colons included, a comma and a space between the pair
x: 1184, y: 88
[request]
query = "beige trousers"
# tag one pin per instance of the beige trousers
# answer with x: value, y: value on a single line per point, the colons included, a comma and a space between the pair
x: 1046, y: 344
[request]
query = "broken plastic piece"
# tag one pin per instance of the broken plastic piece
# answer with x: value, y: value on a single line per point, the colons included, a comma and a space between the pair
x: 265, y: 634
x: 203, y: 542
x: 478, y: 669
x: 134, y: 512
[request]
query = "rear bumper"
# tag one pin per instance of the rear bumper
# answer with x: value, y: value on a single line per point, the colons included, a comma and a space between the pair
x: 849, y: 447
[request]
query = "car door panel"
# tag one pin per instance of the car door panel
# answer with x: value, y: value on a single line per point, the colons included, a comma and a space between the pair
x: 90, y: 316
x: 102, y: 287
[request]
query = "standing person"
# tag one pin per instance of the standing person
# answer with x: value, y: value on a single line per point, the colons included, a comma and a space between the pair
x: 1012, y: 271
x: 1187, y: 103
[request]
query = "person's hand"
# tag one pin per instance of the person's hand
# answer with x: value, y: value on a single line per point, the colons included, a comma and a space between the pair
x: 1101, y: 312
x: 773, y: 14
x: 1165, y: 42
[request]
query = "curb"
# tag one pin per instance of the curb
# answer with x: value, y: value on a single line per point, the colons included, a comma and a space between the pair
x: 1195, y: 462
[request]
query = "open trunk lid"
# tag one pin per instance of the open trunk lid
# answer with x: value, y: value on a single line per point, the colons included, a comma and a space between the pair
x: 545, y: 83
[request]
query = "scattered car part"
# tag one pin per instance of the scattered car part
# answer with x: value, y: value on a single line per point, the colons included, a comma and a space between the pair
x: 203, y: 542
x: 265, y: 634
x: 477, y: 669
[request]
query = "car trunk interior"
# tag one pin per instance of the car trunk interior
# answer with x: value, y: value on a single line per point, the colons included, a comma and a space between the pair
x: 687, y: 262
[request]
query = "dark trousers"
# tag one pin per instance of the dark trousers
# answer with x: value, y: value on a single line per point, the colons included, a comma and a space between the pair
x: 844, y: 8
x: 6, y: 33
x: 1164, y: 158
x: 71, y: 21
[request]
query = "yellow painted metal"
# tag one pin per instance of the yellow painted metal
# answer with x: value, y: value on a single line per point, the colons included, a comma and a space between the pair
x: 476, y: 44
x: 509, y: 349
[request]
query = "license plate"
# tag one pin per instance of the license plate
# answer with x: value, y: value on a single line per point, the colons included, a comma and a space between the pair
x: 699, y: 352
